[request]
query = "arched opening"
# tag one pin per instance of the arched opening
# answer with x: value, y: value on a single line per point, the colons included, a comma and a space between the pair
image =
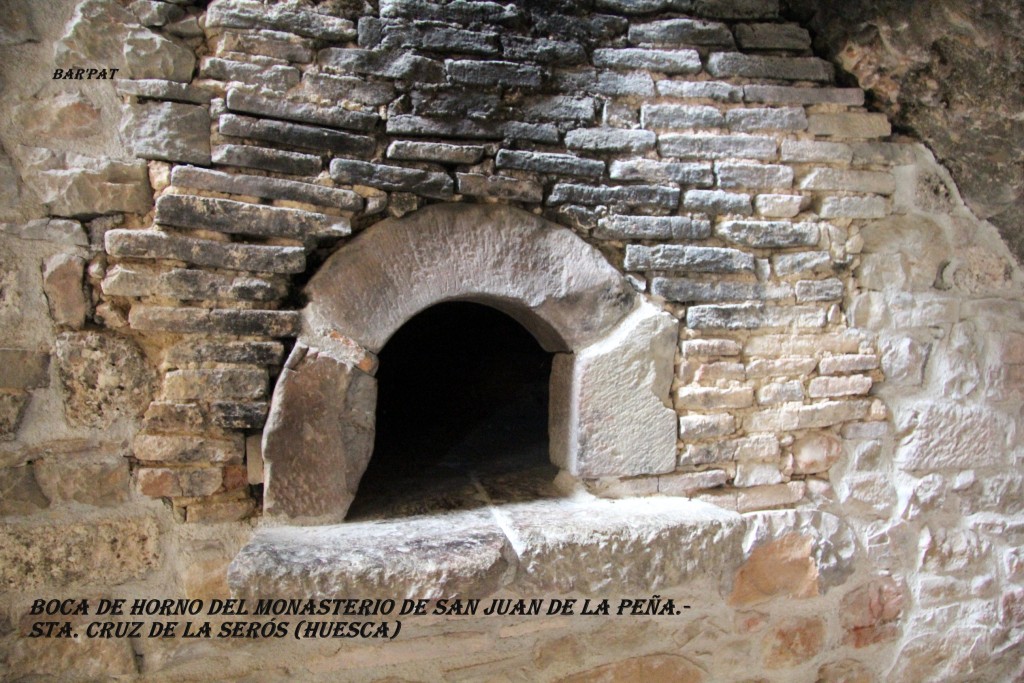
x: 462, y: 396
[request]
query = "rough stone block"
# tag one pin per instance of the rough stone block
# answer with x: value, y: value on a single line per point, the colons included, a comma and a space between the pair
x: 725, y: 64
x: 169, y: 131
x: 616, y: 84
x: 882, y: 153
x: 730, y: 9
x: 628, y: 196
x: 502, y: 187
x: 174, y: 449
x: 781, y: 367
x: 248, y: 14
x: 814, y: 416
x: 769, y: 234
x: 219, y: 383
x: 276, y: 44
x: 160, y: 482
x: 687, y: 483
x: 698, y: 427
x: 815, y: 453
x: 304, y: 112
x: 780, y: 392
x: 24, y: 369
x: 275, y: 77
x: 664, y: 61
x: 630, y: 370
x: 477, y: 12
x: 804, y: 262
x: 753, y: 316
x: 652, y: 228
x: 831, y: 289
x: 542, y: 50
x: 151, y: 244
x: 834, y: 387
x: 875, y: 182
x: 714, y: 398
x: 849, y: 125
x: 773, y: 37
x: 475, y: 130
x: 12, y: 409
x: 279, y: 161
x: 443, y: 39
x: 398, y: 65
x: 156, y: 89
x: 348, y: 88
x: 21, y: 493
x: 778, y: 205
x: 706, y: 146
x: 717, y: 202
x: 854, y: 207
x: 701, y: 90
x: 405, y: 150
x: 297, y: 134
x: 782, y: 94
x: 754, y: 176
x: 610, y: 140
x: 393, y: 178
x: 493, y: 73
x: 692, y: 174
x: 767, y: 497
x: 239, y: 414
x: 63, y: 284
x: 681, y: 32
x: 542, y: 162
x: 265, y: 187
x: 674, y: 257
x: 150, y: 55
x: 563, y: 108
x: 709, y: 348
x: 838, y: 365
x: 90, y: 187
x: 214, y: 321
x: 251, y: 352
x: 244, y: 218
x: 746, y: 120
x: 812, y: 150
x: 680, y: 116
x: 59, y: 231
x: 686, y: 290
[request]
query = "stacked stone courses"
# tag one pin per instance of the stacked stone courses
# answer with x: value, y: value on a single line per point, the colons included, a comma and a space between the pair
x: 698, y: 145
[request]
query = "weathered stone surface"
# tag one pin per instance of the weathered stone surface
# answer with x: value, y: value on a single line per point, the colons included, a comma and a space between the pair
x: 502, y: 187
x: 705, y: 146
x: 692, y: 290
x: 494, y: 73
x: 19, y: 491
x: 459, y: 13
x: 849, y: 125
x: 273, y: 76
x: 255, y: 353
x: 244, y: 14
x: 303, y: 112
x: 388, y: 64
x: 781, y: 567
x: 775, y: 118
x: 152, y: 244
x: 815, y: 453
x: 276, y: 44
x: 542, y: 50
x: 214, y: 321
x: 663, y: 61
x: 755, y: 176
x: 628, y: 196
x: 297, y: 134
x: 12, y: 409
x: 754, y: 316
x: 156, y: 89
x: 701, y: 90
x: 370, y: 93
x: 150, y: 55
x: 170, y: 131
x: 712, y: 398
x: 24, y: 369
x: 220, y: 383
x: 244, y: 218
x: 778, y: 205
x: 76, y: 186
x: 680, y: 32
x: 948, y: 436
x: 56, y: 230
x: 442, y: 39
x: 692, y: 174
x: 563, y: 108
x: 239, y: 414
x: 793, y: 641
x: 100, y: 480
x: 717, y: 202
x: 162, y: 482
x: 688, y: 259
x: 64, y: 288
x: 393, y: 178
x: 610, y: 140
x: 171, y: 449
x: 652, y: 227
x: 773, y: 37
x: 71, y: 658
x: 612, y: 414
x: 723, y: 64
x: 680, y: 116
x: 103, y: 378
x: 804, y: 262
x: 542, y: 162
x: 876, y: 182
x: 688, y: 483
x: 405, y: 150
x: 812, y: 150
x: 37, y: 553
x: 831, y: 289
x: 783, y: 94
x: 468, y: 129
x: 645, y: 668
x: 280, y: 161
x: 266, y: 187
x: 768, y: 234
x: 443, y: 556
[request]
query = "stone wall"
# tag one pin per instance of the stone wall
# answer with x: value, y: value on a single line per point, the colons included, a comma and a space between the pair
x: 843, y: 503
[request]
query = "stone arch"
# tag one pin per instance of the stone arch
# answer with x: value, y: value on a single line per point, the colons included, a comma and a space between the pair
x: 610, y: 408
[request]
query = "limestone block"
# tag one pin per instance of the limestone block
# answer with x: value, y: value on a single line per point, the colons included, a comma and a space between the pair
x: 703, y: 146
x: 303, y: 112
x: 680, y: 116
x: 776, y: 118
x: 780, y: 567
x: 149, y: 55
x: 614, y: 415
x: 274, y: 77
x: 266, y: 187
x: 680, y: 32
x: 246, y: 14
x: 783, y: 94
x: 652, y: 227
x: 408, y: 150
x: 264, y: 323
x: 793, y: 641
x: 717, y: 202
x: 229, y: 216
x: 440, y: 39
x: 485, y: 73
x: 56, y: 230
x: 701, y: 90
x: 64, y: 289
x: 647, y: 668
x: 277, y: 44
x: 153, y: 244
x: 610, y: 140
x: 663, y: 61
x: 190, y: 482
x: 542, y: 162
x: 773, y: 37
x: 542, y: 50
x: 948, y: 436
x: 679, y: 258
x: 280, y: 161
x: 724, y: 64
x: 23, y: 369
x: 103, y: 378
x: 759, y: 176
x: 72, y: 658
x: 20, y: 493
x: 389, y: 64
x: 12, y: 408
x: 815, y: 453
x: 768, y: 234
x: 393, y: 178
x: 296, y: 135
x: 348, y: 88
x: 621, y: 196
x: 170, y: 131
x: 693, y: 174
x: 501, y: 187
x: 153, y: 13
x: 73, y: 185
x: 91, y: 479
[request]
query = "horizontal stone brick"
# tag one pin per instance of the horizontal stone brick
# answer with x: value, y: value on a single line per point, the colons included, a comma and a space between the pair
x: 773, y: 37
x: 725, y: 64
x: 804, y: 262
x: 542, y: 50
x: 767, y: 497
x: 753, y: 316
x: 834, y: 387
x: 304, y: 112
x: 729, y: 9
x: 694, y: 174
x: 445, y: 39
x: 848, y: 362
x: 680, y: 116
x: 831, y: 289
x: 746, y: 449
x: 543, y: 162
x: 186, y: 285
x: 686, y: 483
x: 248, y: 14
x: 604, y: 82
x: 239, y: 414
x: 247, y: 352
x: 151, y: 244
x: 564, y: 108
x: 162, y: 482
x: 393, y: 178
x: 681, y: 32
x: 348, y: 88
x: 212, y: 384
x: 57, y: 230
x: 168, y: 131
x: 276, y: 160
x: 664, y: 61
x: 761, y: 368
x: 399, y: 65
x: 157, y: 89
x: 713, y: 398
x: 459, y: 13
x: 24, y: 369
x: 275, y: 77
x: 406, y: 150
x: 812, y: 150
x: 782, y: 345
x: 652, y: 228
x: 780, y: 392
x: 214, y: 321
x: 756, y: 474
x: 849, y: 125
x: 769, y: 234
x: 269, y: 43
x: 853, y: 207
x: 701, y: 90
x: 505, y: 74
x: 784, y: 94
x: 709, y: 348
x: 468, y: 129
x: 610, y: 140
x: 875, y: 182
x: 632, y: 196
x: 265, y: 187
x: 698, y: 427
x: 717, y: 202
x: 674, y: 257
x: 865, y: 430
x: 501, y: 187
x: 778, y: 205
x: 882, y: 153
x: 775, y: 118
x: 813, y: 416
x: 296, y: 134
x: 754, y: 176
x: 244, y: 218
x: 687, y: 290
x: 188, y: 449
x: 706, y: 146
